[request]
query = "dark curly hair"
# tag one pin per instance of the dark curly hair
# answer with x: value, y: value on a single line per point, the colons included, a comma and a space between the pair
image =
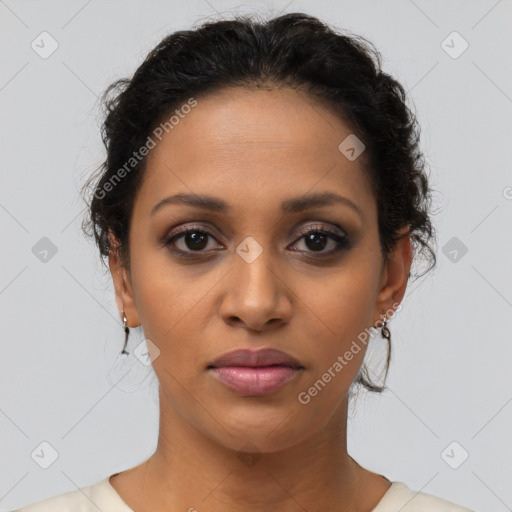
x: 340, y: 70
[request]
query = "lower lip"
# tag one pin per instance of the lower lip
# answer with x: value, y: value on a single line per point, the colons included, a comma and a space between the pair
x: 255, y: 381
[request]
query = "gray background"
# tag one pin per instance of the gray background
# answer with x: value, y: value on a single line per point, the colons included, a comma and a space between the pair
x: 450, y: 374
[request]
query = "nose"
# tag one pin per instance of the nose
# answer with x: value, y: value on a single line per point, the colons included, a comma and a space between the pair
x: 256, y: 296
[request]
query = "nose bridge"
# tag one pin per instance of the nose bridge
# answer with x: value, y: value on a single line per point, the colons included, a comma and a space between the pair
x: 252, y: 265
x: 256, y: 294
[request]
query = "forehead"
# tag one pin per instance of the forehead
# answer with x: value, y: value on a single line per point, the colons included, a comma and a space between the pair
x: 253, y: 147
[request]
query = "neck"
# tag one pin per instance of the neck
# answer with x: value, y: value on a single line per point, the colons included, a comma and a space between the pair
x: 190, y: 471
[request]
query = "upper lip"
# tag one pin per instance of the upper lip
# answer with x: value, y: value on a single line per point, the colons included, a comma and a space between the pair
x: 261, y: 357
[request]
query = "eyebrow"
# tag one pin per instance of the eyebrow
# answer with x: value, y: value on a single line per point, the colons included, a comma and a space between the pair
x: 295, y: 205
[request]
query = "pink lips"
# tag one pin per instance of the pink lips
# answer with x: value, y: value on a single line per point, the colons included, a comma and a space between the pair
x: 259, y: 372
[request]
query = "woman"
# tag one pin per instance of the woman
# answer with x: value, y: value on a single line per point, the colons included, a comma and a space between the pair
x: 261, y: 205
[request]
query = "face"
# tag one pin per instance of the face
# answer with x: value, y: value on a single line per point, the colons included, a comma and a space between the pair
x: 258, y: 269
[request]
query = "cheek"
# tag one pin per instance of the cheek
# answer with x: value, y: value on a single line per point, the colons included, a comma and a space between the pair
x: 343, y: 305
x: 340, y: 314
x: 173, y: 305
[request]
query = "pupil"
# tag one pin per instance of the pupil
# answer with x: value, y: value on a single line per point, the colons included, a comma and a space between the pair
x: 314, y: 238
x: 196, y: 240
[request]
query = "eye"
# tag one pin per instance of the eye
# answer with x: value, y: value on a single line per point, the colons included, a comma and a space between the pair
x: 316, y: 238
x: 192, y: 241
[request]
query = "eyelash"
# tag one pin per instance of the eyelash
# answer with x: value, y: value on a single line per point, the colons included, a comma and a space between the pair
x: 342, y: 241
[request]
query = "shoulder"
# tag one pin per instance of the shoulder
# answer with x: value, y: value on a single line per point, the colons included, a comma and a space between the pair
x: 99, y: 496
x: 400, y: 497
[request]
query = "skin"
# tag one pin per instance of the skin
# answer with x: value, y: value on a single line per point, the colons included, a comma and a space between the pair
x: 254, y: 149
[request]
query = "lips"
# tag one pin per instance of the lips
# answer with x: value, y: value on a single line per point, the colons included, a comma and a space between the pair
x: 255, y: 372
x: 256, y: 358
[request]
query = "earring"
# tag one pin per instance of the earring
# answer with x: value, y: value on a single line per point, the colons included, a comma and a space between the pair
x: 385, y: 332
x: 126, y: 371
x: 126, y: 334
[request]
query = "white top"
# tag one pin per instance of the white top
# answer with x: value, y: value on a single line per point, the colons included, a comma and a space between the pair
x: 102, y: 496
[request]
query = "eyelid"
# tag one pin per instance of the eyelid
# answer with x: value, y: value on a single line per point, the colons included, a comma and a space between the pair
x: 183, y: 228
x: 319, y: 226
x: 323, y: 227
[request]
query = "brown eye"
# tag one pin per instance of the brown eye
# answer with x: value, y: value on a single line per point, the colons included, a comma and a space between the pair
x: 191, y: 239
x: 195, y: 240
x: 316, y: 239
x: 319, y: 242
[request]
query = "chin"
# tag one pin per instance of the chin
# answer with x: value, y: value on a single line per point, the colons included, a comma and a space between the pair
x: 256, y: 432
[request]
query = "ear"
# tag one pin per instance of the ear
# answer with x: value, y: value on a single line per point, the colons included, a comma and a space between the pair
x: 395, y: 276
x: 122, y: 284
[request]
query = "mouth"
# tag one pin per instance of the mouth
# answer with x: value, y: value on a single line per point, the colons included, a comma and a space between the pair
x: 255, y: 373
